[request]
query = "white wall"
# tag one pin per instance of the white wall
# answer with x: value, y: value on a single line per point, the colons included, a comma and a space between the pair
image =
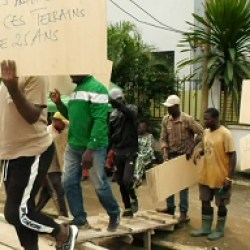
x: 238, y: 132
x: 171, y: 12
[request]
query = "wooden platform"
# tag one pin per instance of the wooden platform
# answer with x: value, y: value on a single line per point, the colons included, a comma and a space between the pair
x: 145, y: 222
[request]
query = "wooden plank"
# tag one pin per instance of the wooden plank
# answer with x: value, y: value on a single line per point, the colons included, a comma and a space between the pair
x: 147, y: 240
x: 123, y: 226
x: 128, y: 226
x: 151, y: 217
x: 44, y: 29
x: 162, y: 179
x: 167, y: 218
x: 169, y: 222
x: 164, y: 215
x: 90, y: 246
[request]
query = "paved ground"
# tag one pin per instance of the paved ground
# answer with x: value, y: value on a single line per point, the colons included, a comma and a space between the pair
x: 237, y: 232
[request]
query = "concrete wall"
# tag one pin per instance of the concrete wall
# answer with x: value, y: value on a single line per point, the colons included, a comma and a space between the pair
x: 238, y: 132
x: 174, y: 13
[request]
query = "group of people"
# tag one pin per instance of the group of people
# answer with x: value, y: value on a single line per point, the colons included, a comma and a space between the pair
x: 27, y: 156
x: 180, y: 135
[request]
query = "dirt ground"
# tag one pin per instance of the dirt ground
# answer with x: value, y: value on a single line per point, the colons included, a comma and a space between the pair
x: 237, y: 231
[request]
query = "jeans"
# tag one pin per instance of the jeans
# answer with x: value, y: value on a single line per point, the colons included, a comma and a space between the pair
x: 184, y: 196
x: 72, y: 183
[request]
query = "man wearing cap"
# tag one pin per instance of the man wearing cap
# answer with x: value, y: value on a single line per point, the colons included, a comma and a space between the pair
x: 178, y: 138
x: 123, y: 136
x: 87, y: 148
x: 53, y: 181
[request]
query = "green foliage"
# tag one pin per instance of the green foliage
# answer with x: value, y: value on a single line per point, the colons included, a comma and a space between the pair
x: 143, y: 74
x: 229, y: 21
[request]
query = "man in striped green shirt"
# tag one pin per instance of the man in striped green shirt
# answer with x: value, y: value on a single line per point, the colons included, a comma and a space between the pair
x: 88, y: 140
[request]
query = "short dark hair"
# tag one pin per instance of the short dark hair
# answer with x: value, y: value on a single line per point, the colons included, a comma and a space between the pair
x: 213, y: 112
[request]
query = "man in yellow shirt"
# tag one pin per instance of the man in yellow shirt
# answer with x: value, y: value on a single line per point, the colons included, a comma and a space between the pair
x: 216, y: 176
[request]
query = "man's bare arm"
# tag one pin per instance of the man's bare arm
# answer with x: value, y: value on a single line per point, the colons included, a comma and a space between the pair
x: 29, y: 111
x: 232, y: 164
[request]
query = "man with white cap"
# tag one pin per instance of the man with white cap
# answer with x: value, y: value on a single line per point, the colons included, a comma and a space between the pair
x: 178, y: 138
x: 123, y: 139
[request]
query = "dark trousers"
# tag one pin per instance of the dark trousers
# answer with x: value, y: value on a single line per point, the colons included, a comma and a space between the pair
x: 53, y: 184
x: 125, y: 164
x: 23, y: 178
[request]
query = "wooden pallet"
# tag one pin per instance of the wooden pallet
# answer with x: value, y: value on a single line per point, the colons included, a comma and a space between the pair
x: 144, y: 222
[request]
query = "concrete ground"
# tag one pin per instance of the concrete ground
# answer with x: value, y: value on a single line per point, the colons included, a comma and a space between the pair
x: 237, y: 231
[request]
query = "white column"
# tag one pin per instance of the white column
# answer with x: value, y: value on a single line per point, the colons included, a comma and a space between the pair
x: 214, y: 95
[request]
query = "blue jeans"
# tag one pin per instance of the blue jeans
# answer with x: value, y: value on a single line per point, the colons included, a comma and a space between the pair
x: 72, y: 183
x: 184, y: 196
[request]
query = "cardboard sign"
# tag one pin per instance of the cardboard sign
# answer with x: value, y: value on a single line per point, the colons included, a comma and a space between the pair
x: 171, y: 177
x: 245, y: 153
x: 65, y: 86
x: 54, y: 37
x: 245, y: 102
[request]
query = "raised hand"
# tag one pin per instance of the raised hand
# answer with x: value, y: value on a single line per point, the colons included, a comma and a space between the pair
x: 9, y: 78
x: 55, y: 97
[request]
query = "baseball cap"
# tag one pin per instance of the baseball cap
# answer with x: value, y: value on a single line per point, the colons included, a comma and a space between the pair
x: 172, y: 100
x: 60, y: 117
x: 116, y: 93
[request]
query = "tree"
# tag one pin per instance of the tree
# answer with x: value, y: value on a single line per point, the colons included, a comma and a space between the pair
x: 229, y: 39
x: 138, y: 69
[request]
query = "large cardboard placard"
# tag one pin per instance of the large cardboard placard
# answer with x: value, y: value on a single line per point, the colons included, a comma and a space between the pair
x: 245, y: 103
x: 54, y: 37
x: 65, y: 86
x: 245, y: 153
x: 171, y: 177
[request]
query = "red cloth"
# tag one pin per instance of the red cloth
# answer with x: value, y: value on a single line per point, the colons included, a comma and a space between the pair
x: 85, y: 173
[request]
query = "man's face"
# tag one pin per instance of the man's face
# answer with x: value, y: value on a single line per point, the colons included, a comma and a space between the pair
x: 173, y: 110
x: 77, y: 79
x: 59, y: 125
x: 209, y: 121
x: 142, y: 129
x: 120, y: 99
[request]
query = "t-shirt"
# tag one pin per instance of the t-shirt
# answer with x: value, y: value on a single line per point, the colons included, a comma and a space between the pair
x: 216, y: 145
x: 17, y: 137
